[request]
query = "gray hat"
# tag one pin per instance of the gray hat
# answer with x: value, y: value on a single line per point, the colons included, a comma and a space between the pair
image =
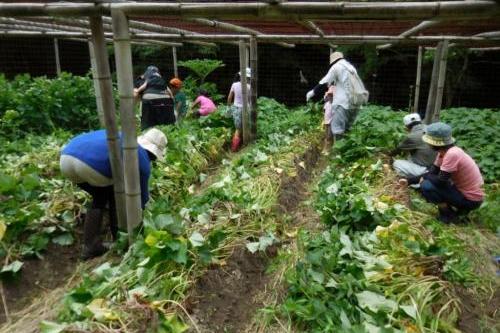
x: 438, y: 134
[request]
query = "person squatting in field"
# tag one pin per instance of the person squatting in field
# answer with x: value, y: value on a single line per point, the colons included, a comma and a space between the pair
x: 420, y: 154
x: 85, y: 161
x: 157, y: 101
x: 327, y: 118
x: 350, y: 93
x: 454, y: 182
x: 235, y: 101
x: 180, y: 104
x: 206, y: 105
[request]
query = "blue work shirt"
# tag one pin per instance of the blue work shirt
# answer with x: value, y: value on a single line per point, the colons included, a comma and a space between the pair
x: 92, y: 149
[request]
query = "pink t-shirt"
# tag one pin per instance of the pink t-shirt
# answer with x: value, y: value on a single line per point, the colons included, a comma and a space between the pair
x: 464, y: 172
x: 206, y: 105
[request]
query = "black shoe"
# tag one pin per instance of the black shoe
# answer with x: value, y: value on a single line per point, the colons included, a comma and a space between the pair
x: 447, y: 215
x: 92, y: 244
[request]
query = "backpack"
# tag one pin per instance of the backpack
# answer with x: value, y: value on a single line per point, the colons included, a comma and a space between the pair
x: 358, y: 93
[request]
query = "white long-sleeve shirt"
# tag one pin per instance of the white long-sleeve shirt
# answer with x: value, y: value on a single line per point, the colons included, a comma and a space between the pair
x: 338, y: 74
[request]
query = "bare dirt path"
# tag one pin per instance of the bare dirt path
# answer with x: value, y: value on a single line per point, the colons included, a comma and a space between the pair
x: 226, y: 297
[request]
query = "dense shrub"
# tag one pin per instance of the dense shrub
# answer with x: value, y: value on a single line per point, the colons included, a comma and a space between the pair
x: 40, y: 105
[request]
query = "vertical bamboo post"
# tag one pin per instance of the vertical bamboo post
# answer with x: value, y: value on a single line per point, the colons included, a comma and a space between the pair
x: 174, y: 57
x: 431, y: 99
x: 123, y: 58
x: 56, y: 55
x: 104, y: 89
x: 441, y: 80
x: 244, y: 92
x: 97, y: 88
x: 253, y: 86
x: 417, y: 80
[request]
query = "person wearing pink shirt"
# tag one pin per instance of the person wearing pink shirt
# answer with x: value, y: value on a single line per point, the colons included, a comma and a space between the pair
x: 207, y: 106
x: 454, y: 182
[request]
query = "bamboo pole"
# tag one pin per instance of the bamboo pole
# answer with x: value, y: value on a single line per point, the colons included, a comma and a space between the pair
x: 253, y: 87
x: 97, y: 88
x: 412, y: 31
x: 315, y: 29
x: 450, y: 10
x: 106, y: 100
x: 233, y: 27
x: 441, y: 81
x: 431, y: 99
x: 123, y: 56
x: 306, y: 39
x: 56, y: 56
x: 417, y: 80
x: 174, y: 60
x: 244, y: 92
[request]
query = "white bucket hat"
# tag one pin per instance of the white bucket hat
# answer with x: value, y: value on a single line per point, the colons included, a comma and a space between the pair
x: 335, y: 56
x: 411, y: 118
x: 155, y: 142
x: 248, y: 72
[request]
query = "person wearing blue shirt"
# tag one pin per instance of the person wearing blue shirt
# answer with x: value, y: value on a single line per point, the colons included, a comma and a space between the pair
x: 85, y: 161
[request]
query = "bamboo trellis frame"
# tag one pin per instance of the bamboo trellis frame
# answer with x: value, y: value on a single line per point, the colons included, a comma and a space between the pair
x: 124, y: 30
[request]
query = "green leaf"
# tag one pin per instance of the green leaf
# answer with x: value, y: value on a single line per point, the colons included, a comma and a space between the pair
x: 410, y: 310
x: 13, y: 267
x: 51, y: 327
x: 169, y: 223
x: 64, y: 239
x: 7, y: 183
x: 375, y: 302
x: 196, y: 239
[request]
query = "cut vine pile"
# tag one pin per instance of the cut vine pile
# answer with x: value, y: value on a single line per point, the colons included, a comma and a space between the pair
x: 275, y: 238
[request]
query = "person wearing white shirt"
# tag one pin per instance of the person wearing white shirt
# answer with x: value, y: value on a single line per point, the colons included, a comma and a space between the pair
x: 235, y: 98
x: 344, y: 112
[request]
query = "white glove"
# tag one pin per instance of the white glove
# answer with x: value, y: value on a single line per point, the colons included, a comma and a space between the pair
x: 309, y: 95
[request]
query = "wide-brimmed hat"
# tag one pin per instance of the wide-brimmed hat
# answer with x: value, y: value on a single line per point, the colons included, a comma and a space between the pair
x: 176, y: 83
x: 438, y: 134
x: 248, y: 72
x: 411, y: 118
x: 335, y: 56
x: 155, y: 142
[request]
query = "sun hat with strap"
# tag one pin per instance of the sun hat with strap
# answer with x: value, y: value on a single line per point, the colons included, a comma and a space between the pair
x: 438, y: 134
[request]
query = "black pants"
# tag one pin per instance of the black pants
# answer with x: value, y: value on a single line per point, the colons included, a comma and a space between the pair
x: 159, y: 111
x: 102, y: 197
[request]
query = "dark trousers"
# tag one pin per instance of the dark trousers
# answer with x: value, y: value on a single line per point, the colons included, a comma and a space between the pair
x: 102, y: 197
x: 448, y: 194
x: 159, y: 111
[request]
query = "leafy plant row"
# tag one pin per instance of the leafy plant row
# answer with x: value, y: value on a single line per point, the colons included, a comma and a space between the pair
x: 377, y: 266
x: 186, y: 230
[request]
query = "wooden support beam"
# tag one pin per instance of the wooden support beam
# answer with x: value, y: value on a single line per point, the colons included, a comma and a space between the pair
x: 56, y: 57
x: 123, y: 58
x: 253, y: 87
x: 174, y: 60
x: 417, y: 80
x: 431, y: 99
x: 284, y: 11
x: 244, y: 92
x: 441, y: 81
x: 410, y: 32
x: 105, y: 100
x: 233, y: 27
x: 315, y: 29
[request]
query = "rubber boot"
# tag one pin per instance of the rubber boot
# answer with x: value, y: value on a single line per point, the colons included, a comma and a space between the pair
x: 113, y: 223
x: 446, y: 215
x: 92, y: 245
x: 235, y: 144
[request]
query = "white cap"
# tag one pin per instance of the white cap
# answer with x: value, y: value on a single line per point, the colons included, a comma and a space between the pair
x: 335, y: 56
x: 411, y: 118
x: 154, y: 141
x: 248, y: 72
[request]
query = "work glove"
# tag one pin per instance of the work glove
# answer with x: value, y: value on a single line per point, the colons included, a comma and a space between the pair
x: 309, y: 95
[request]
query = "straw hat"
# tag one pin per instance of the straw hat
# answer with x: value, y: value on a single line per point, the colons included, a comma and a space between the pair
x: 438, y: 135
x: 155, y: 142
x: 336, y: 56
x: 411, y: 118
x: 176, y: 83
